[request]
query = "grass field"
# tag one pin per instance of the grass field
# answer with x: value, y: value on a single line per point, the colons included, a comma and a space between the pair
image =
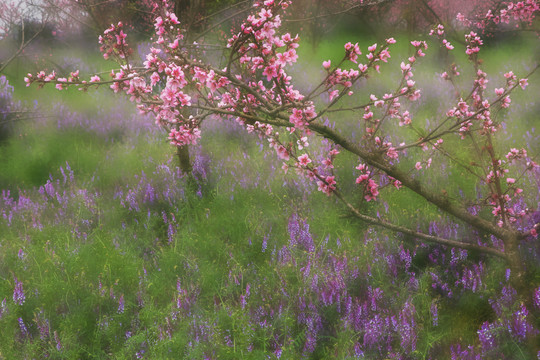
x: 108, y: 251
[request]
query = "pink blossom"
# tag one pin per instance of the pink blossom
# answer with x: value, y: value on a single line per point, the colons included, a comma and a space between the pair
x: 327, y: 186
x: 447, y: 44
x: 506, y: 102
x: 174, y: 44
x: 333, y: 152
x: 368, y: 115
x: 333, y: 94
x: 384, y: 55
x: 392, y: 153
x: 405, y: 67
x: 328, y: 163
x: 270, y: 72
x: 297, y: 118
x: 405, y: 119
x: 282, y: 152
x: 371, y: 191
x: 304, y: 160
x: 509, y: 75
x: 120, y: 38
x: 326, y: 64
x: 302, y: 143
x: 185, y: 100
x: 288, y: 57
x: 184, y: 136
x: 172, y: 18
x: 154, y: 78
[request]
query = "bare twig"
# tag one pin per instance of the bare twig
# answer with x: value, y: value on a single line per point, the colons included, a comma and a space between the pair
x: 21, y: 47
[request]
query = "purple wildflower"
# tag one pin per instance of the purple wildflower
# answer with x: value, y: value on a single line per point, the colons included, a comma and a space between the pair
x: 520, y: 328
x: 405, y: 257
x: 121, y: 304
x: 434, y: 313
x: 464, y: 354
x: 57, y: 340
x: 299, y: 233
x: 21, y: 254
x: 358, y: 353
x: 264, y: 243
x: 471, y: 278
x: 374, y: 331
x: 407, y: 327
x: 18, y: 293
x: 487, y: 335
x: 22, y: 326
x: 43, y: 326
x: 171, y: 231
x: 504, y: 302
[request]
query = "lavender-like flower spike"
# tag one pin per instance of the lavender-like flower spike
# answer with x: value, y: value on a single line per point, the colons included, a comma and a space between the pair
x: 121, y: 304
x: 536, y: 298
x: 520, y: 327
x: 18, y: 293
x: 57, y: 340
x: 43, y: 325
x: 487, y: 335
x: 434, y: 313
x: 22, y: 326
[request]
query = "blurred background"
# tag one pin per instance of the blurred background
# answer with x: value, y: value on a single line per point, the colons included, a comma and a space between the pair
x: 107, y: 251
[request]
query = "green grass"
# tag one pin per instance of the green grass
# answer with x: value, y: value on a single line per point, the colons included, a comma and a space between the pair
x: 83, y: 259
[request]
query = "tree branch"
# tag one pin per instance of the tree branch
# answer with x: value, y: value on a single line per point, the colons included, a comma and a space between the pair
x: 21, y: 48
x: 418, y: 235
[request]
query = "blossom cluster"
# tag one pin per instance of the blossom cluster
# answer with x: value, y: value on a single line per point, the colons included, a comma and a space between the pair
x: 521, y: 13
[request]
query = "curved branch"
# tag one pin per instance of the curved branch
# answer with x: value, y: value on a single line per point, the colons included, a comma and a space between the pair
x: 419, y: 235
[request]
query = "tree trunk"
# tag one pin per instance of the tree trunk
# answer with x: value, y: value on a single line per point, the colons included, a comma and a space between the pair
x: 183, y: 159
x: 516, y: 266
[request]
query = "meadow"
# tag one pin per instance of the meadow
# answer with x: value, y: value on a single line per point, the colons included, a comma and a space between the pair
x: 107, y: 250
